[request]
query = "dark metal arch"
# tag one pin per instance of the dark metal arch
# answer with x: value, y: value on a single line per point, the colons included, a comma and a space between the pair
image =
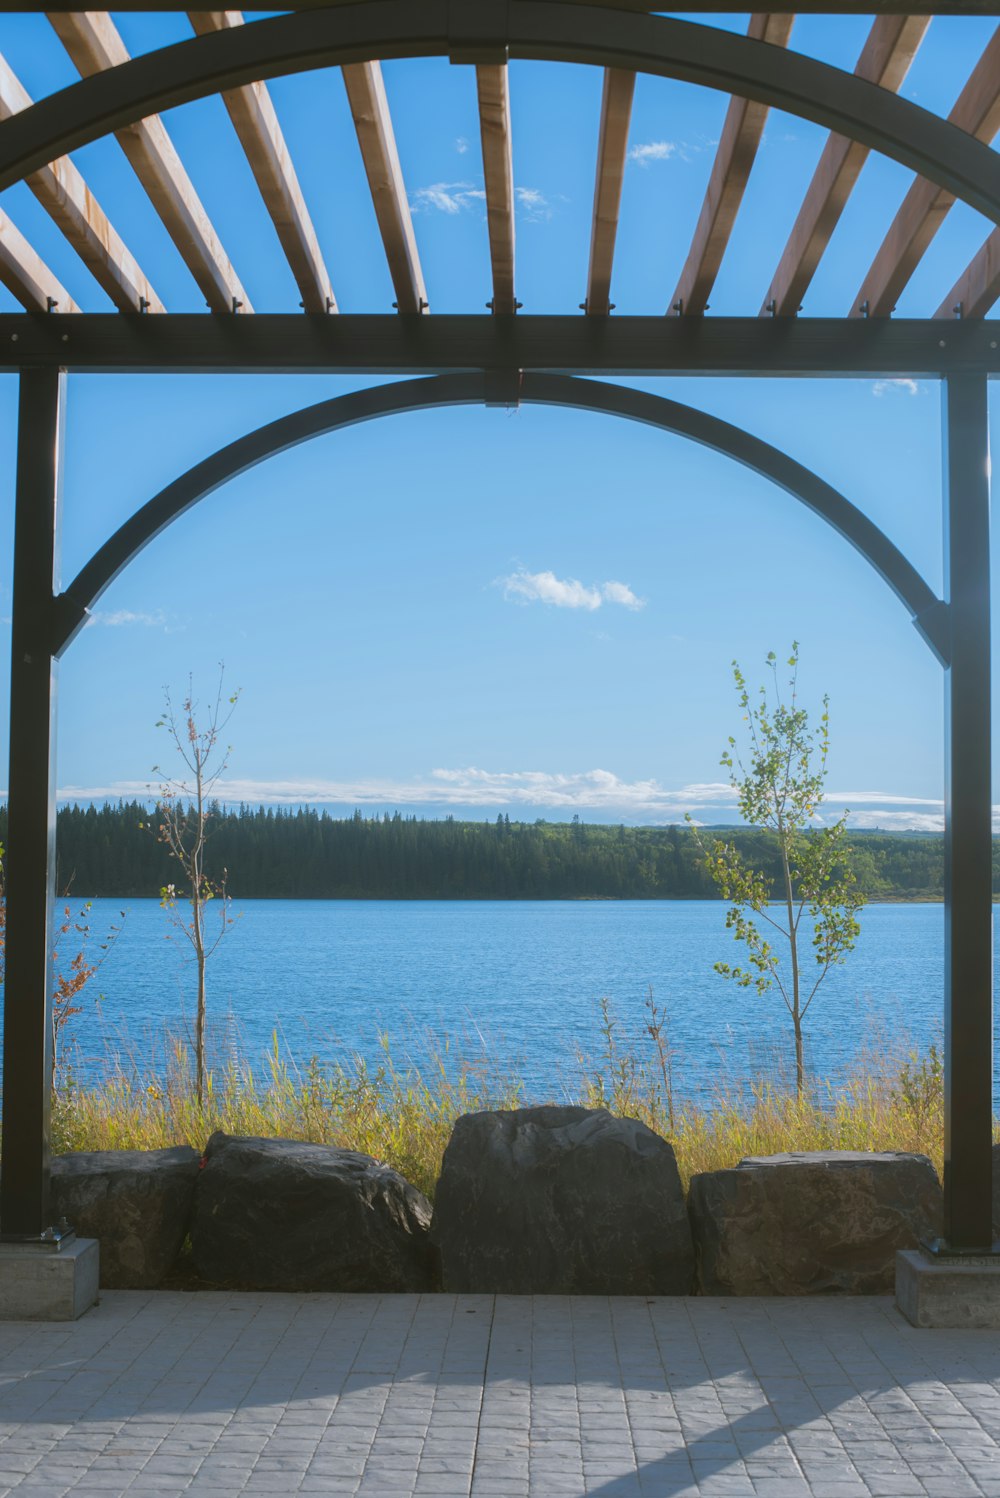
x: 927, y: 611
x: 545, y: 30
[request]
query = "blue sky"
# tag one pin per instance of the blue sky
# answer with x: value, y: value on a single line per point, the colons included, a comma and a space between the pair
x: 476, y: 611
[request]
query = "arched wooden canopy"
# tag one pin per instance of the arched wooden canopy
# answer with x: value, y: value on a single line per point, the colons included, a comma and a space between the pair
x: 862, y: 109
x: 499, y: 357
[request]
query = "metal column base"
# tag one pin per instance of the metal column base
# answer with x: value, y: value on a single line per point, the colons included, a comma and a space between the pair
x: 953, y: 1290
x: 38, y: 1283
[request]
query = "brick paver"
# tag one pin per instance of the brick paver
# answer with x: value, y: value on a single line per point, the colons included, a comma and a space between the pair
x: 266, y: 1396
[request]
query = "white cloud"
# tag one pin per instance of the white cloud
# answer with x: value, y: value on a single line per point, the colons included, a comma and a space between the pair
x: 709, y: 792
x: 120, y: 618
x: 447, y: 197
x: 889, y: 387
x: 871, y: 809
x: 454, y: 198
x: 468, y: 786
x: 903, y: 821
x: 621, y: 593
x: 545, y: 587
x: 882, y: 798
x: 589, y: 788
x: 652, y: 150
x: 533, y: 203
x: 593, y: 790
x: 566, y: 593
x: 596, y: 791
x: 461, y: 145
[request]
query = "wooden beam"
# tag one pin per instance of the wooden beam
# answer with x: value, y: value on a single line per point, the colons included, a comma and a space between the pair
x: 692, y: 7
x: 978, y: 287
x: 94, y: 44
x: 612, y: 151
x: 384, y: 344
x: 493, y: 88
x: 977, y: 112
x: 885, y: 59
x: 256, y: 124
x: 65, y: 196
x: 26, y: 275
x: 372, y: 121
x: 741, y: 133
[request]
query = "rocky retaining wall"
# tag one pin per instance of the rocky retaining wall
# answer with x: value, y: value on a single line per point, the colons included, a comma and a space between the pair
x: 561, y: 1201
x: 546, y: 1200
x: 809, y: 1224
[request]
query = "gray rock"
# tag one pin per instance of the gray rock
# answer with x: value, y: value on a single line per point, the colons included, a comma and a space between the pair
x: 278, y: 1214
x: 996, y: 1191
x: 560, y: 1201
x: 808, y: 1224
x: 137, y: 1203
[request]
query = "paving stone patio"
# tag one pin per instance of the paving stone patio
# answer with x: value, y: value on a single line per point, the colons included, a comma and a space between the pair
x: 249, y: 1394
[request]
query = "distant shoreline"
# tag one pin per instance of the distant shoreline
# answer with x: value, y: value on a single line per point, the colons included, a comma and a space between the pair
x: 235, y: 898
x: 308, y: 855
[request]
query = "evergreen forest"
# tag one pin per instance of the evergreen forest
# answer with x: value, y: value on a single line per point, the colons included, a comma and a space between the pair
x: 300, y: 853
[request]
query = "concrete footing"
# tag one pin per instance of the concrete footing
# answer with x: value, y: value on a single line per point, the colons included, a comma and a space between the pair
x: 949, y: 1292
x: 42, y: 1284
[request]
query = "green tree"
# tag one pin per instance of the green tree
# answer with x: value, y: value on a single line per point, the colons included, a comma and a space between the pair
x: 184, y: 809
x: 780, y: 778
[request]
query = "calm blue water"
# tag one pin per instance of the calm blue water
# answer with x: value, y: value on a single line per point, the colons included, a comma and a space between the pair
x: 514, y: 983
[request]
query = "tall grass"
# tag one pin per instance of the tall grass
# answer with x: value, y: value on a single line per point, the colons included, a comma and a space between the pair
x: 403, y: 1115
x: 892, y: 1100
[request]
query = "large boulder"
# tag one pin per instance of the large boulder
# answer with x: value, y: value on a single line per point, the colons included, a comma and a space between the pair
x: 808, y: 1224
x: 560, y: 1201
x: 137, y: 1203
x: 277, y: 1214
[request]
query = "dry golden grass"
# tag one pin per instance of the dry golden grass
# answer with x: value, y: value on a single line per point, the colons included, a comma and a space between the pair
x: 893, y: 1101
x: 404, y: 1117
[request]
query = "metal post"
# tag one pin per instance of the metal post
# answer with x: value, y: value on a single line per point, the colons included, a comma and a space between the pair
x: 968, y: 1007
x: 24, y: 1174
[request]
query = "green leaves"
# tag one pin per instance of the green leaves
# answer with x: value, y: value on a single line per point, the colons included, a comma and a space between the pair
x: 779, y: 780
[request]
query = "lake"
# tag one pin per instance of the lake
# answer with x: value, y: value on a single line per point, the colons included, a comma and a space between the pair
x: 517, y: 983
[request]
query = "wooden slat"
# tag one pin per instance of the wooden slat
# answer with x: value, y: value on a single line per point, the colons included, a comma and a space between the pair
x: 26, y: 274
x: 923, y: 210
x: 93, y: 43
x: 642, y: 7
x: 493, y: 87
x: 612, y: 150
x: 256, y: 124
x: 372, y: 121
x: 741, y: 133
x: 885, y: 59
x: 978, y: 287
x: 65, y: 196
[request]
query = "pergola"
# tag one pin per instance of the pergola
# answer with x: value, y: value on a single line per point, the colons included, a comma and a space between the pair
x: 501, y: 357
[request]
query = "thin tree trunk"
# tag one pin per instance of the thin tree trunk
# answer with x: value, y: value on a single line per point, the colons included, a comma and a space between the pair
x: 197, y: 880
x: 793, y: 944
x: 184, y: 834
x: 199, y: 1022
